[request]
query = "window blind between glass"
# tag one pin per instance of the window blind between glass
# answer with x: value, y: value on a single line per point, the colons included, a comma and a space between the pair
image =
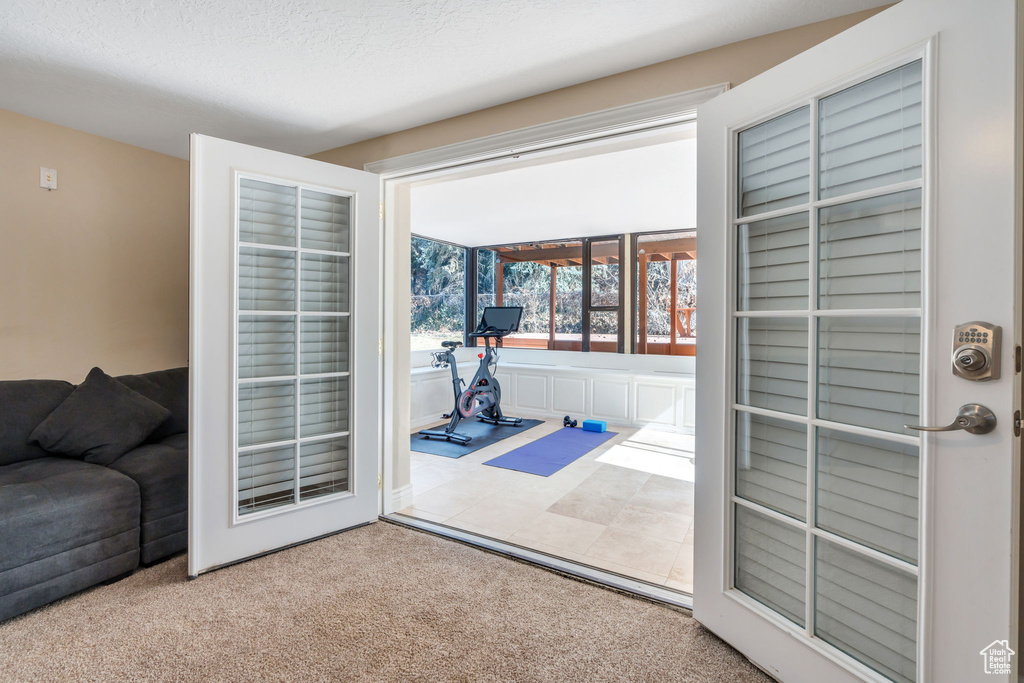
x: 266, y: 213
x: 771, y: 463
x: 867, y: 609
x: 323, y: 406
x: 325, y: 221
x: 774, y: 163
x: 773, y: 263
x: 869, y: 372
x: 266, y: 346
x: 868, y: 491
x: 770, y: 563
x: 266, y: 478
x: 870, y: 253
x: 323, y: 468
x: 266, y: 412
x: 324, y: 283
x: 266, y: 280
x: 771, y: 367
x: 870, y: 134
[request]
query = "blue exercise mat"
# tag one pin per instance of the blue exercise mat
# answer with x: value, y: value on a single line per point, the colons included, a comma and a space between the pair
x: 547, y: 455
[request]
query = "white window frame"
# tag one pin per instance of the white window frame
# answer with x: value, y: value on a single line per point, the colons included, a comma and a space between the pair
x: 237, y: 382
x: 925, y: 52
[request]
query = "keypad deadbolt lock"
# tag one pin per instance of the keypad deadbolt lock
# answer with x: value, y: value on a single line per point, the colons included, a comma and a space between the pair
x: 976, y: 351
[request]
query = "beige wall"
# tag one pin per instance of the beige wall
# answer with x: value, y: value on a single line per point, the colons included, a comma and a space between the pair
x: 733, y: 64
x: 95, y: 273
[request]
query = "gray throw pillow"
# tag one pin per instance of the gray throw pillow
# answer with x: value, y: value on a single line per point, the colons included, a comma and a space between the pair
x: 100, y: 421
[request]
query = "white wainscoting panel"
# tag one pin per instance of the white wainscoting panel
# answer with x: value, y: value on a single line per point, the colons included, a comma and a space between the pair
x: 657, y: 404
x: 664, y: 401
x: 568, y: 394
x: 611, y: 399
x: 531, y: 391
x: 430, y: 397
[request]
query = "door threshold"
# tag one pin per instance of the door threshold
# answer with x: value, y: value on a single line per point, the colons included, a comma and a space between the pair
x: 605, y: 579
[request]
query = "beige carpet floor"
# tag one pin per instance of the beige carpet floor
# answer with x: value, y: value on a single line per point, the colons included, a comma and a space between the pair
x: 380, y: 603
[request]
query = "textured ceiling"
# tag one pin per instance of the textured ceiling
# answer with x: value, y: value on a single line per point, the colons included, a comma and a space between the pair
x: 303, y: 76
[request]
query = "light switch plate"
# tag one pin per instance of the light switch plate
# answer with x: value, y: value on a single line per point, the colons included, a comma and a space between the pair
x: 48, y: 178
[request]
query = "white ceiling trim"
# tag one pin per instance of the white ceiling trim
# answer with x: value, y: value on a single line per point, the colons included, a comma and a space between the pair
x: 629, y: 118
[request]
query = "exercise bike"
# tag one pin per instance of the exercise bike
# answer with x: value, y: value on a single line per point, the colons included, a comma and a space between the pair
x: 482, y: 399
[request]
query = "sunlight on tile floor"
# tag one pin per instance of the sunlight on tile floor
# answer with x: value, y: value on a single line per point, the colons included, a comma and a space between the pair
x: 625, y: 507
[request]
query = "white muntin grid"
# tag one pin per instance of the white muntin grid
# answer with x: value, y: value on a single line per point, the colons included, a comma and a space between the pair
x: 813, y: 315
x: 296, y: 377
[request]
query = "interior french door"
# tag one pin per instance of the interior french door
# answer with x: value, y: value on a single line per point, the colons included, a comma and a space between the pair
x: 285, y: 366
x: 859, y: 202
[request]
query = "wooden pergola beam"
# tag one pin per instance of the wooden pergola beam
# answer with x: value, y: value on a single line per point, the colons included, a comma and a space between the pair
x: 601, y: 252
x: 673, y: 246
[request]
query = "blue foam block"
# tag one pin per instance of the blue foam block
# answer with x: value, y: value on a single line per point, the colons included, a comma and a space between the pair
x: 594, y: 425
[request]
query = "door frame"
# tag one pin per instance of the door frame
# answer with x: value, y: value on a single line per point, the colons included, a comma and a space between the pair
x: 397, y: 176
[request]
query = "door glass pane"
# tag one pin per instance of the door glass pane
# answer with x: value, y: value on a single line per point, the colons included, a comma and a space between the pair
x: 279, y: 344
x: 604, y: 273
x: 324, y: 283
x: 870, y: 134
x: 266, y: 213
x: 772, y: 258
x: 770, y: 563
x: 266, y: 412
x: 323, y: 468
x: 324, y: 345
x: 771, y: 370
x: 266, y: 280
x: 324, y: 406
x: 266, y: 478
x: 325, y: 221
x: 266, y: 346
x: 867, y: 609
x: 869, y: 371
x: 867, y: 491
x: 870, y: 253
x: 771, y: 463
x: 774, y: 163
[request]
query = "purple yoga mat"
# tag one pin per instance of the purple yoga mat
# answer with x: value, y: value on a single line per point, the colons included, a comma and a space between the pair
x: 547, y: 455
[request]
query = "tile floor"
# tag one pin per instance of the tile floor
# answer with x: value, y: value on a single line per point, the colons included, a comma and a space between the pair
x: 626, y: 506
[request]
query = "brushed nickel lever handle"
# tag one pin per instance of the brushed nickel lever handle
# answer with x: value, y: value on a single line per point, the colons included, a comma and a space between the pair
x: 972, y: 418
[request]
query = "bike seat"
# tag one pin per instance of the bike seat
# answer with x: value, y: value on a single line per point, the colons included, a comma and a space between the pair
x: 451, y: 344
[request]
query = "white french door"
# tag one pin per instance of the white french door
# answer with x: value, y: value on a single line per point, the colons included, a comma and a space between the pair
x: 284, y: 357
x: 859, y: 202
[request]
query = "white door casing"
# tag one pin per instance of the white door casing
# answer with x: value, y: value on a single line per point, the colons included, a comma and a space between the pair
x: 968, y: 483
x: 219, y: 533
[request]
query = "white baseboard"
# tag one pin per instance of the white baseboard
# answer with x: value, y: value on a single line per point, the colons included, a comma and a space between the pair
x: 402, y: 497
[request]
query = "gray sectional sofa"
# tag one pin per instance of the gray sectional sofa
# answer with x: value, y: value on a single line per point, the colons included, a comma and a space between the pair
x: 84, y: 515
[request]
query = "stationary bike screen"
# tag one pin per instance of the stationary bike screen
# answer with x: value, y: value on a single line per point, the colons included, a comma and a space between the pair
x: 504, y: 319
